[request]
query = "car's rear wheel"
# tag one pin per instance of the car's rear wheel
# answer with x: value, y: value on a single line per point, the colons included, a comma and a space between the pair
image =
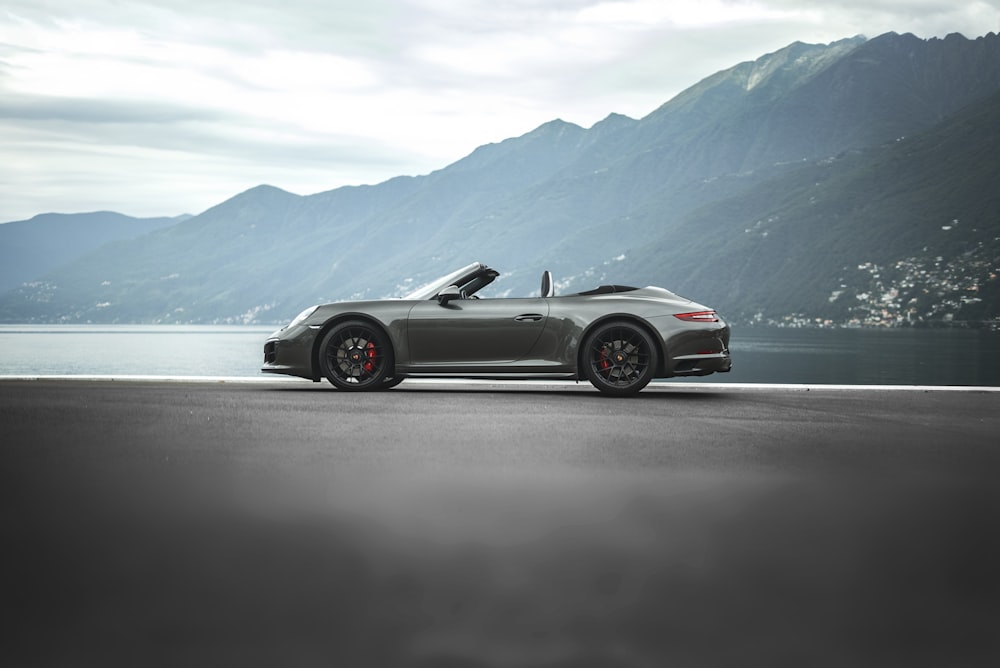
x: 356, y: 355
x: 619, y: 358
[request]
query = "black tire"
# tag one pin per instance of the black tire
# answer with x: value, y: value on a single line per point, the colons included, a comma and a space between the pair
x: 619, y: 358
x: 356, y: 356
x: 390, y: 383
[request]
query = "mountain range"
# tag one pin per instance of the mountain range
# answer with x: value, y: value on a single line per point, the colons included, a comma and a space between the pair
x: 32, y: 248
x: 853, y: 183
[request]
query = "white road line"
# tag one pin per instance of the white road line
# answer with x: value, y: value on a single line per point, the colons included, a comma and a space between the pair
x: 655, y: 385
x: 157, y: 379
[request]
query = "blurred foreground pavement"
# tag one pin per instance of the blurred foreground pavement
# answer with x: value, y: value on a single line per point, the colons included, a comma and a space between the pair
x: 256, y: 525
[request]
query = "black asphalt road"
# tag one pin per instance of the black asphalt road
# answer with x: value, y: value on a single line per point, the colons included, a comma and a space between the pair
x: 287, y: 524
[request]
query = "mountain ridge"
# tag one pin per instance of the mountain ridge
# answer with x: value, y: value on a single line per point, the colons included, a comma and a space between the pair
x: 30, y: 248
x: 905, y: 200
x: 668, y: 193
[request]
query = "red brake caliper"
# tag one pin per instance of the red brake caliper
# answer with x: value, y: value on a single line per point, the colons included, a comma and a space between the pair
x: 604, y: 363
x: 370, y: 354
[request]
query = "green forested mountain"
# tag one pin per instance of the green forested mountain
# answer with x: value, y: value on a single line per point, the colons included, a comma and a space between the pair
x: 855, y: 182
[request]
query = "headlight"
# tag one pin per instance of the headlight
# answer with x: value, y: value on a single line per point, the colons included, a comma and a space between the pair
x: 302, y: 316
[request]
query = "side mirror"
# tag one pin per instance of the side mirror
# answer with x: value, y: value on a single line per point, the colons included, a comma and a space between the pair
x: 449, y: 293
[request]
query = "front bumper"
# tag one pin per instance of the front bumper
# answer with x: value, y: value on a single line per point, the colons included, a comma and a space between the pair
x: 289, y: 351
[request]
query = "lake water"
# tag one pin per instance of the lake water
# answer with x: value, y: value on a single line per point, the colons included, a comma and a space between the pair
x: 132, y: 350
x: 760, y: 355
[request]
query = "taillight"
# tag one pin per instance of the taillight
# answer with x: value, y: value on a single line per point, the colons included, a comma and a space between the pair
x: 698, y: 316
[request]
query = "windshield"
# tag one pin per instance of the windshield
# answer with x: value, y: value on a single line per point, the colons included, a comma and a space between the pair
x: 454, y: 278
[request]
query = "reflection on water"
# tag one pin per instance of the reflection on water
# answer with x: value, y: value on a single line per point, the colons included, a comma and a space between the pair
x: 760, y: 354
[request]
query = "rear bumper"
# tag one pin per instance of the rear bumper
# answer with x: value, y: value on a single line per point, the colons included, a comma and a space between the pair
x: 697, y: 349
x: 702, y: 364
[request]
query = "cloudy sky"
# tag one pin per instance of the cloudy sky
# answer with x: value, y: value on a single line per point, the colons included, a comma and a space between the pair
x: 171, y: 106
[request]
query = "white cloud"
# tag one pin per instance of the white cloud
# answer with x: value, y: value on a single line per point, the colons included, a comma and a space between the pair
x: 157, y: 108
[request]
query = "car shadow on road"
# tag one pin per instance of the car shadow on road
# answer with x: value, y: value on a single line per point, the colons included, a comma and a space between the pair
x: 582, y: 391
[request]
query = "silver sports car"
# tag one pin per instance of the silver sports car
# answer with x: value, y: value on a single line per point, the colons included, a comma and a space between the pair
x: 617, y: 337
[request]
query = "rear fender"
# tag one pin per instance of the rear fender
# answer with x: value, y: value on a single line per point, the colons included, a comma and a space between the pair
x: 638, y: 322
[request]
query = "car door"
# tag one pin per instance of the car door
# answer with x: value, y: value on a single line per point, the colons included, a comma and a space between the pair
x: 474, y: 332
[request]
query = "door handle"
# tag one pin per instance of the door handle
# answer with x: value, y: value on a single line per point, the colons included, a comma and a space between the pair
x: 529, y: 317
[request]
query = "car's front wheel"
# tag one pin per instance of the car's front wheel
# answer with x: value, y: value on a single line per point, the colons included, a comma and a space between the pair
x: 356, y: 355
x: 619, y: 358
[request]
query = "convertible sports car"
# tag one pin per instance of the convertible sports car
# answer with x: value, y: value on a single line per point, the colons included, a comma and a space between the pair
x: 617, y: 337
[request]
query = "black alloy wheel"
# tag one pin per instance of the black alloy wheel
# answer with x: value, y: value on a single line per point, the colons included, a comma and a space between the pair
x: 356, y: 355
x: 619, y: 358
